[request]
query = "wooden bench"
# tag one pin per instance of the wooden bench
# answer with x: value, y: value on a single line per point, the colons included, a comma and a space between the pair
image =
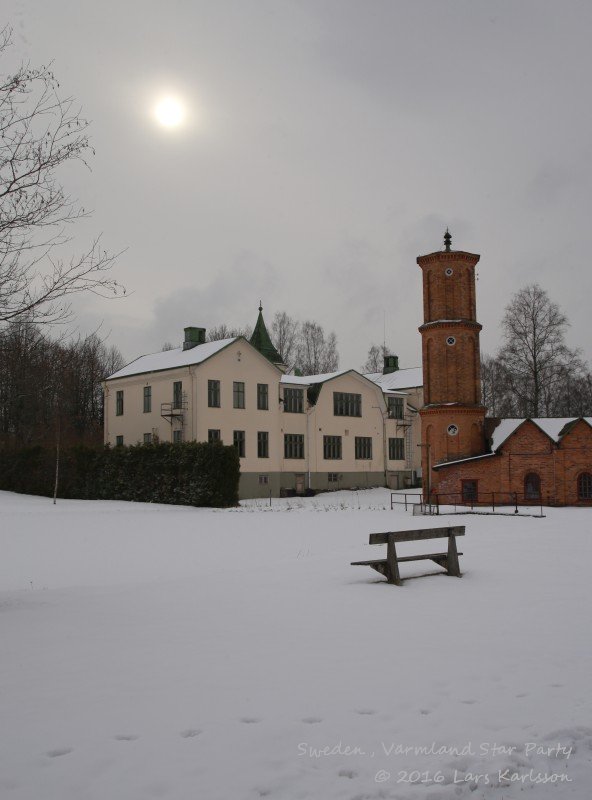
x: 389, y: 566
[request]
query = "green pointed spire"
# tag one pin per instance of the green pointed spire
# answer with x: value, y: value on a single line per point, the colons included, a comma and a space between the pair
x: 262, y: 341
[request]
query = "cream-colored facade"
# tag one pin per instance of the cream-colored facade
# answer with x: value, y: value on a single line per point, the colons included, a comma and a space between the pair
x: 316, y: 432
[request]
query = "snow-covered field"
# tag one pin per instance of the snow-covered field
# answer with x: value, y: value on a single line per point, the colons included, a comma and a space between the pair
x: 169, y: 652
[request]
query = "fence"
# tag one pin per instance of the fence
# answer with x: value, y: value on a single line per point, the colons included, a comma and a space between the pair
x: 483, y: 500
x: 405, y: 501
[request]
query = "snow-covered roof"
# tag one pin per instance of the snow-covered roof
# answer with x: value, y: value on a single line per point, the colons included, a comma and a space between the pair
x: 308, y: 380
x: 552, y: 426
x: 408, y: 378
x: 169, y: 359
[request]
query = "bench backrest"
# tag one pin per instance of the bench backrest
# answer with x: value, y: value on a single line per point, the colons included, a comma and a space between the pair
x: 416, y: 535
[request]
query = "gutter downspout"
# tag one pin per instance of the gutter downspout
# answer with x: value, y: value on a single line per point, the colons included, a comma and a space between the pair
x: 193, y: 426
x: 308, y: 412
x: 105, y: 414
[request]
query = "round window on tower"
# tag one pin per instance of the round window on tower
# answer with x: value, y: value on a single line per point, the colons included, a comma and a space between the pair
x: 448, y: 272
x: 452, y: 430
x: 451, y: 341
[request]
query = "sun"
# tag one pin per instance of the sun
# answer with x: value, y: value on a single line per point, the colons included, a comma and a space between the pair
x: 170, y: 112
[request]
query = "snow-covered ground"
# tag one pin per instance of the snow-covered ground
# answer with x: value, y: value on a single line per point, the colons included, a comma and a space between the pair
x: 170, y: 652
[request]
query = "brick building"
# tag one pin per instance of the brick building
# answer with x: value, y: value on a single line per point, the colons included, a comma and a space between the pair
x: 467, y: 456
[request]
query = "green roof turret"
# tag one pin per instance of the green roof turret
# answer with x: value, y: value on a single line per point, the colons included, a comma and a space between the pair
x: 262, y: 341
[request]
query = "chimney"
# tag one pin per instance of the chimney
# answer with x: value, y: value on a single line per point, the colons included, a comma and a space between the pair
x: 391, y: 364
x: 193, y: 337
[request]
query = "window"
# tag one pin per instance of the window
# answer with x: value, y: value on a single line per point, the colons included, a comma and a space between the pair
x: 238, y: 438
x: 262, y: 397
x: 263, y: 480
x: 119, y: 403
x: 293, y: 445
x: 213, y: 436
x: 294, y: 400
x: 214, y: 394
x: 332, y: 477
x: 469, y: 491
x: 177, y: 436
x: 346, y: 404
x: 119, y: 441
x: 147, y: 399
x: 532, y: 486
x: 395, y: 407
x: 331, y: 447
x: 262, y: 444
x: 177, y: 394
x: 585, y: 486
x: 147, y: 438
x: 363, y: 447
x: 397, y: 449
x: 238, y: 394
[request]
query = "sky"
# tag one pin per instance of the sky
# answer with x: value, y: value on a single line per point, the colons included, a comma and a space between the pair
x: 327, y: 144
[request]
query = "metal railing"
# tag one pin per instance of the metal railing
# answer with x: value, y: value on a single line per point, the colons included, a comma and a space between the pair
x: 404, y: 502
x: 483, y: 500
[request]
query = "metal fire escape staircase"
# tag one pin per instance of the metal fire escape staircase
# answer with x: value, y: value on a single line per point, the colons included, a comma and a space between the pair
x: 175, y: 411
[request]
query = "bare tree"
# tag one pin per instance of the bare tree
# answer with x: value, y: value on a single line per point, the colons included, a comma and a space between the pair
x: 167, y: 346
x: 285, y: 333
x: 39, y: 133
x: 375, y: 358
x: 536, y: 360
x: 51, y: 389
x: 316, y: 353
x: 224, y: 332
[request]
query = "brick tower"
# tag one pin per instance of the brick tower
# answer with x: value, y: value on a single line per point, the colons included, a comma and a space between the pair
x: 452, y: 416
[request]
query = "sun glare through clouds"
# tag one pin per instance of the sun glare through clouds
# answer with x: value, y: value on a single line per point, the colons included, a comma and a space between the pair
x: 170, y: 112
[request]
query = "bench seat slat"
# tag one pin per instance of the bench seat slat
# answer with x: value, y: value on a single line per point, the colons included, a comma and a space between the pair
x: 421, y: 557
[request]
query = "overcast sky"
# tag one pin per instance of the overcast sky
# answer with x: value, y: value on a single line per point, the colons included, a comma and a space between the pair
x: 327, y: 144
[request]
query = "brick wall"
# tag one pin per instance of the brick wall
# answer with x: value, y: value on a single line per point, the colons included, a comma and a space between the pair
x: 527, y: 450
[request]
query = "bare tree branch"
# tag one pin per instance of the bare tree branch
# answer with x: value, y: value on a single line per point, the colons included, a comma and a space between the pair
x: 39, y: 132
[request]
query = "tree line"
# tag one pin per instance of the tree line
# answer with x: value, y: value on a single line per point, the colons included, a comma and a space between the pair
x: 50, y: 389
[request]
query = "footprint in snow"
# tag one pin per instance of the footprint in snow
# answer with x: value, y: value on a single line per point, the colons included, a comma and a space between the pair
x: 59, y: 751
x: 425, y: 711
x: 190, y: 733
x: 126, y: 737
x: 365, y: 711
x: 468, y: 702
x: 250, y: 720
x: 522, y: 694
x: 312, y: 720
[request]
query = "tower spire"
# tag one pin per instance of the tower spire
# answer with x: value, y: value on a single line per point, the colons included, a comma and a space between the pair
x: 447, y: 240
x: 261, y: 340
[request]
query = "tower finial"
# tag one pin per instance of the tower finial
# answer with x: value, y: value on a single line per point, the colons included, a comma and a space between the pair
x: 260, y: 306
x: 447, y: 240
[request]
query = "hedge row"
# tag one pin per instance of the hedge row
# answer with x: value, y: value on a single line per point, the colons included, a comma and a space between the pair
x: 189, y: 473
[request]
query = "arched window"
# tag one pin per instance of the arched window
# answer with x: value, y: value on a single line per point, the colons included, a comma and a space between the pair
x: 585, y: 486
x: 532, y: 486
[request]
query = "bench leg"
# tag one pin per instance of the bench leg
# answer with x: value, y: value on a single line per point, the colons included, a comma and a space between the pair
x: 393, y: 564
x: 453, y: 565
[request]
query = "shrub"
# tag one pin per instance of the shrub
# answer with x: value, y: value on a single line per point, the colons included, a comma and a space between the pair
x: 188, y: 473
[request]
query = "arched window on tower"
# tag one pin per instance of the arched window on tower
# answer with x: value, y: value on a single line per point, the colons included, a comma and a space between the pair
x: 532, y: 486
x: 585, y: 486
